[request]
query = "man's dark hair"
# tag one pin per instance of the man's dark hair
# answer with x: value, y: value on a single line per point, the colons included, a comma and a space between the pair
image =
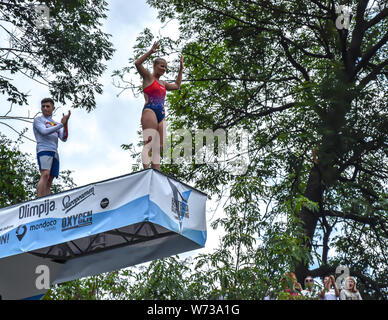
x: 327, y: 275
x: 47, y: 100
x: 309, y: 276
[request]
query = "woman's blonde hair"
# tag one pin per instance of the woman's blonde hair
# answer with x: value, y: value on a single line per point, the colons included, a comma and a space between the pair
x: 159, y: 60
x: 346, y: 284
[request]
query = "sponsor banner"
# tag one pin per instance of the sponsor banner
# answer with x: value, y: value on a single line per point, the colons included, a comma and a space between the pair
x: 147, y: 195
x: 178, y: 208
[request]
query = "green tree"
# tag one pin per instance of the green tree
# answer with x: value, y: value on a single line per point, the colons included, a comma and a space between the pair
x: 61, y: 47
x: 13, y: 174
x: 312, y: 94
x: 161, y: 279
x: 103, y: 286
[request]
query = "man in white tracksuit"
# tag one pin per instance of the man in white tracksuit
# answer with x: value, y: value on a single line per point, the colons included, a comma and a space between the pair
x: 47, y: 132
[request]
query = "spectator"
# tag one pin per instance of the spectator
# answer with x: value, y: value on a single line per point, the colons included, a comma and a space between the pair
x: 309, y: 289
x: 330, y: 290
x: 350, y: 291
x: 290, y: 286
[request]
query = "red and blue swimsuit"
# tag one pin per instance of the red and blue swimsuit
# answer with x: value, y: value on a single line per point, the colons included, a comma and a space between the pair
x: 156, y: 94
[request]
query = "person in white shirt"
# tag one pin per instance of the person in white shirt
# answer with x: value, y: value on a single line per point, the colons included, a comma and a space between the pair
x: 330, y: 290
x: 350, y: 291
x: 309, y: 288
x: 47, y: 132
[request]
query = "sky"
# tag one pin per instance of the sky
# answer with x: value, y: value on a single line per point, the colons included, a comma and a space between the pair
x: 93, y: 150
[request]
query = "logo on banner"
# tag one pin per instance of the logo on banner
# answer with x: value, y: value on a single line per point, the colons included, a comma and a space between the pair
x: 21, y: 232
x: 6, y: 228
x: 69, y: 204
x: 28, y: 210
x: 4, y: 238
x: 77, y: 221
x: 104, y: 203
x: 179, y: 204
x: 46, y: 226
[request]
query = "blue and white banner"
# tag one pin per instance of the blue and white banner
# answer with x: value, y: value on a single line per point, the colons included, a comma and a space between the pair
x: 103, y: 226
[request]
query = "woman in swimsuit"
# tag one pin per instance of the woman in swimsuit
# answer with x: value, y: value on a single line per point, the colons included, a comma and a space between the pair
x: 152, y: 118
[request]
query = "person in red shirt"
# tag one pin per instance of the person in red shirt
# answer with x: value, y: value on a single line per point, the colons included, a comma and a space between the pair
x: 153, y: 115
x: 291, y: 285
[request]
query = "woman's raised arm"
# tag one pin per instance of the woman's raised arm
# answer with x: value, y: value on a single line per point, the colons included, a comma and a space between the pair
x: 145, y: 74
x: 177, y: 84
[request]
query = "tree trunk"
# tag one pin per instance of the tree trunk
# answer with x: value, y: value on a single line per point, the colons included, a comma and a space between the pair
x: 313, y: 192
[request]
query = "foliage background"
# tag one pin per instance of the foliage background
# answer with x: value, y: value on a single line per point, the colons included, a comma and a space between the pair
x: 313, y: 98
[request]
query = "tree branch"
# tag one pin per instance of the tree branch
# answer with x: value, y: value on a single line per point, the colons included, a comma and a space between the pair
x: 369, y: 54
x: 307, y: 53
x: 357, y: 37
x: 257, y: 115
x: 352, y: 216
x: 371, y: 76
x: 325, y: 241
x: 383, y: 14
x: 320, y: 5
x: 272, y: 110
x: 19, y: 133
x: 292, y: 60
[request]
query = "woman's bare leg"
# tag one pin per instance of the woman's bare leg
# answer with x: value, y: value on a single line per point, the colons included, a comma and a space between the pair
x: 150, y: 127
x: 162, y: 134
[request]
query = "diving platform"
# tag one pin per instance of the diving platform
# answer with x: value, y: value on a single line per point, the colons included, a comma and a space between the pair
x: 97, y: 228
